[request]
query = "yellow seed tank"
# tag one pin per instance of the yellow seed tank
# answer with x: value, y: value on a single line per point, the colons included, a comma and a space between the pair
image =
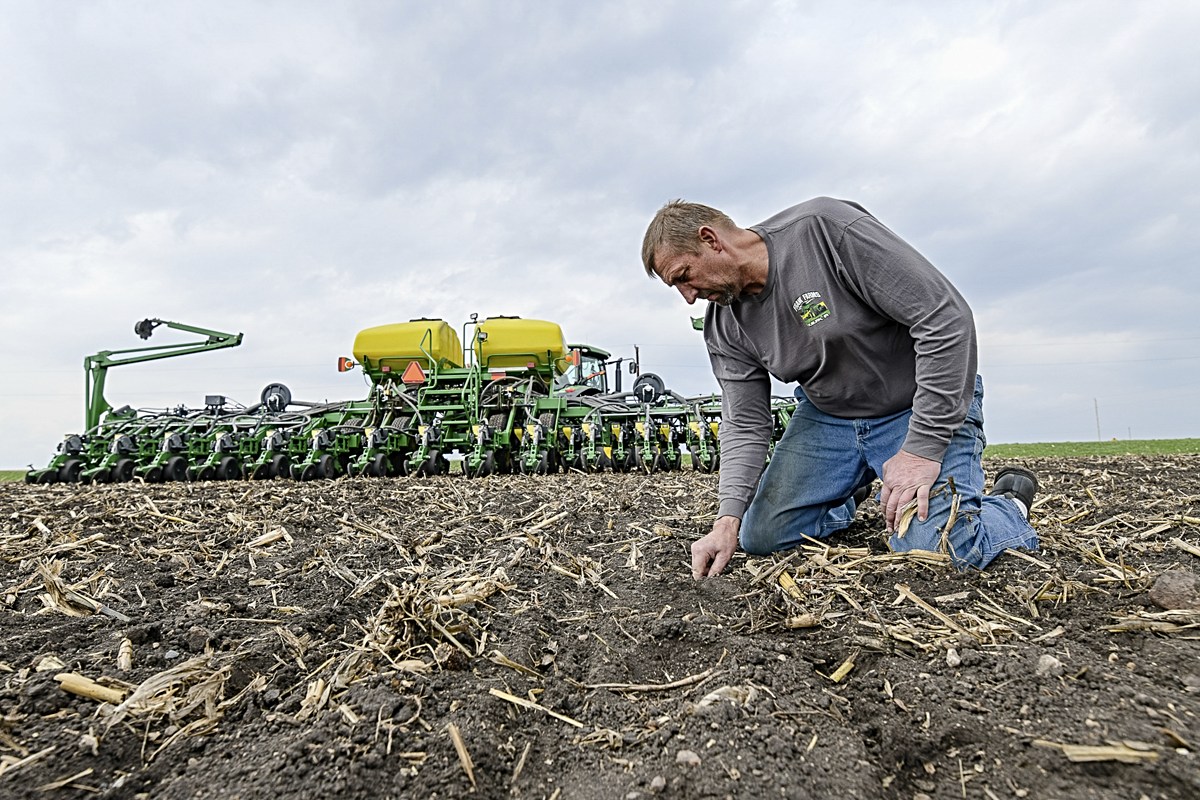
x: 516, y: 342
x: 397, y: 345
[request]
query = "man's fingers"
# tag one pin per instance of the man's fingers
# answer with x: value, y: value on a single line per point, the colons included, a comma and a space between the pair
x: 922, y: 503
x: 720, y: 560
x: 885, y: 498
x: 700, y: 559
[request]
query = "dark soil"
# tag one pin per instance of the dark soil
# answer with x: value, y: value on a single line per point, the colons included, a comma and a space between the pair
x: 334, y: 639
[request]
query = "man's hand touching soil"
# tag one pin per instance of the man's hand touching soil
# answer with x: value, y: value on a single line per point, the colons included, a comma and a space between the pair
x: 711, y: 553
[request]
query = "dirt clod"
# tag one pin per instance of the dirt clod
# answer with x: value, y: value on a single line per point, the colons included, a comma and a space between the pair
x: 1176, y: 589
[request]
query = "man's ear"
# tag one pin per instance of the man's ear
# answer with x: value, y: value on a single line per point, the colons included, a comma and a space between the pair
x: 710, y: 238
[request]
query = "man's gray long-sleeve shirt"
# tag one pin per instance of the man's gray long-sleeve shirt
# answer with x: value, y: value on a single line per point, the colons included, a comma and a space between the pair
x: 856, y: 316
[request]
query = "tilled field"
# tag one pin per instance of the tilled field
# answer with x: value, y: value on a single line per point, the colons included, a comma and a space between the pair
x: 542, y: 638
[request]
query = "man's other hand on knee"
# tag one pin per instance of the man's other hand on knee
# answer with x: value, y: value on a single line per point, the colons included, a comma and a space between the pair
x: 712, y: 552
x: 907, y: 477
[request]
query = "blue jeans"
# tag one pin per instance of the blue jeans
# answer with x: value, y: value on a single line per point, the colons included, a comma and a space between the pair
x: 822, y: 460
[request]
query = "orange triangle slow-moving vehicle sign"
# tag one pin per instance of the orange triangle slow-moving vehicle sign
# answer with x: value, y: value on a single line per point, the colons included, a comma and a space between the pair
x: 413, y: 373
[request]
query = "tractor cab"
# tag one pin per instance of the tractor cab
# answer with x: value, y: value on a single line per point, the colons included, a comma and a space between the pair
x: 586, y: 372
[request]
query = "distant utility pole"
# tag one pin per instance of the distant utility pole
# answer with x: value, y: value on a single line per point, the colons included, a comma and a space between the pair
x: 1096, y: 405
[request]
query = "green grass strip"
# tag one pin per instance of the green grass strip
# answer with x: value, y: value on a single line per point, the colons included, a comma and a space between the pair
x: 1129, y: 447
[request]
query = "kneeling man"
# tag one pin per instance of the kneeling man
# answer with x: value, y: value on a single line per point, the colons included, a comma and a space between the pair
x: 882, y: 349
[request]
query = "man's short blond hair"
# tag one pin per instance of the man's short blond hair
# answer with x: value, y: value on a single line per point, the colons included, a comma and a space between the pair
x: 676, y: 229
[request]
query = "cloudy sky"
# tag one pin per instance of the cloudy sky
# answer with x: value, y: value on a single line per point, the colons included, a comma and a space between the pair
x: 297, y: 171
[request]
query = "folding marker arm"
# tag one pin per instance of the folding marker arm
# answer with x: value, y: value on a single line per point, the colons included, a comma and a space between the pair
x: 96, y: 366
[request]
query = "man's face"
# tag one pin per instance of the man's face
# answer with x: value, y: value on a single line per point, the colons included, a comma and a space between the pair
x: 705, y: 275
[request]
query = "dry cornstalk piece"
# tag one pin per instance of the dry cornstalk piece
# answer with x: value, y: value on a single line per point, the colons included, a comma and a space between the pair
x: 1186, y: 547
x: 176, y: 692
x: 50, y: 664
x: 70, y: 601
x: 125, y: 655
x: 1125, y: 752
x: 13, y: 766
x: 67, y: 781
x: 909, y: 510
x: 86, y: 687
x: 805, y: 620
x: 906, y: 517
x: 520, y: 764
x: 314, y: 699
x: 521, y: 701
x: 270, y: 537
x: 844, y: 670
x: 907, y: 594
x: 656, y: 687
x: 789, y: 585
x: 460, y: 747
x: 505, y: 661
x: 739, y: 695
x: 1160, y: 621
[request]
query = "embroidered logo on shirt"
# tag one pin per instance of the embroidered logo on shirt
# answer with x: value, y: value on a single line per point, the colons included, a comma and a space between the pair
x: 811, y: 308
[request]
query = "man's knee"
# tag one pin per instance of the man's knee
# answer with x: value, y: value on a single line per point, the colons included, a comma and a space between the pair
x: 754, y: 539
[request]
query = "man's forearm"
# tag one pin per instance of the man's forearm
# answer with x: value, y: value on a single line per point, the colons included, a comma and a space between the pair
x: 746, y: 427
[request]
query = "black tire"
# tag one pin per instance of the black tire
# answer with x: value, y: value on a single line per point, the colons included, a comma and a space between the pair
x: 206, y: 473
x: 488, y: 465
x: 308, y: 472
x: 122, y: 471
x: 230, y: 469
x: 281, y: 467
x: 603, y: 462
x: 398, y: 463
x: 175, y: 469
x: 328, y: 466
x: 49, y: 476
x: 548, y: 463
x: 70, y: 469
x: 154, y: 475
x: 432, y: 465
x: 377, y: 467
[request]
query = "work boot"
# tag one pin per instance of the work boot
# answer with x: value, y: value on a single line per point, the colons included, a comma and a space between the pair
x: 1016, y: 483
